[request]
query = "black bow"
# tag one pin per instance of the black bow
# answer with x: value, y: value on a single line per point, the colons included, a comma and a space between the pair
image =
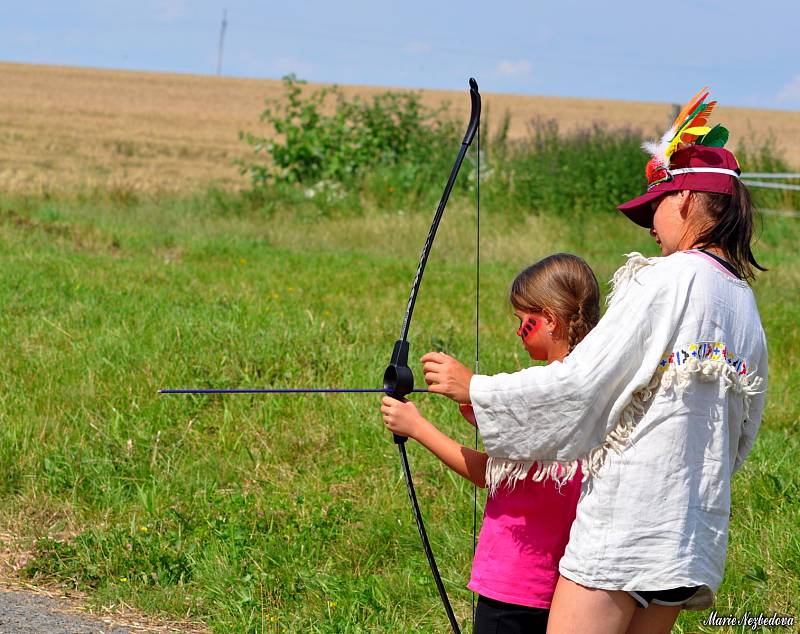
x: 398, y: 380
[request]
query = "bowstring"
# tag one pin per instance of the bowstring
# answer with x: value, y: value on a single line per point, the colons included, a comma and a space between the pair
x: 477, y: 339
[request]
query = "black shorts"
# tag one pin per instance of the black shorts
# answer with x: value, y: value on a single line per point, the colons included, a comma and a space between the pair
x: 676, y: 596
x: 493, y: 616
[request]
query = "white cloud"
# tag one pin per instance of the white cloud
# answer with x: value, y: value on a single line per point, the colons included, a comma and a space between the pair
x: 417, y: 48
x: 790, y: 93
x: 513, y: 68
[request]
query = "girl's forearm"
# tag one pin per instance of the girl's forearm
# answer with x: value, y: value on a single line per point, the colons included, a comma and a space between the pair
x: 466, y: 462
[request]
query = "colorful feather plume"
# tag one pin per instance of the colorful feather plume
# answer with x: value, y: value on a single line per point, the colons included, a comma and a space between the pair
x: 690, y: 126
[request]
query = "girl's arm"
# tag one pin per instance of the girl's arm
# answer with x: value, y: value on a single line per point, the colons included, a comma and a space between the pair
x: 404, y: 419
x: 468, y: 413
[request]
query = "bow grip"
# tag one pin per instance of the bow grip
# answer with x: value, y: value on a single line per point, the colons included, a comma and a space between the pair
x: 398, y: 380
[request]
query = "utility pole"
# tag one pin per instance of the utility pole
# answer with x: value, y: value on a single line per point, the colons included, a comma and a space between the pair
x: 221, y: 40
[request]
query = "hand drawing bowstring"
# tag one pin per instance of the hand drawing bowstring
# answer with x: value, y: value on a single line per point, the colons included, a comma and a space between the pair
x: 398, y: 380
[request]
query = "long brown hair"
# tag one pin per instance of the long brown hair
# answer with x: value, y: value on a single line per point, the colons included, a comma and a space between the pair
x: 564, y: 284
x: 730, y: 228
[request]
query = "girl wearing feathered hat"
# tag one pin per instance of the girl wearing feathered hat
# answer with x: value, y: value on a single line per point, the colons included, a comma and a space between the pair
x: 659, y: 404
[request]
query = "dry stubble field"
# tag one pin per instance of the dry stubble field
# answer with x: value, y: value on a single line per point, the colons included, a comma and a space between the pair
x: 64, y: 129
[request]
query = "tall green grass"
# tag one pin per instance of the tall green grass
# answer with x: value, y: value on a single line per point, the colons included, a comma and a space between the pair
x: 288, y: 513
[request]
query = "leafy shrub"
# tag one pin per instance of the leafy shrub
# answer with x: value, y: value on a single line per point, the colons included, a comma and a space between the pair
x: 392, y: 151
x: 310, y: 146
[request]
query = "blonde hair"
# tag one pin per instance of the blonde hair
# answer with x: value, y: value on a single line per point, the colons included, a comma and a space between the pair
x: 565, y: 285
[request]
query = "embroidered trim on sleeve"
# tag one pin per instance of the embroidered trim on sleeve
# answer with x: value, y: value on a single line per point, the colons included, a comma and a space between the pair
x: 700, y: 351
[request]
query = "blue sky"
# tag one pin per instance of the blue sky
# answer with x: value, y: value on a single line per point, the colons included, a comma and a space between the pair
x: 749, y: 52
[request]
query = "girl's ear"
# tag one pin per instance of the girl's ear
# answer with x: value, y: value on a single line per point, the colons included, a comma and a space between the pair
x: 550, y: 322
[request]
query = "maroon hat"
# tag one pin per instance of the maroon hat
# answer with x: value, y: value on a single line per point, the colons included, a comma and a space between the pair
x: 697, y: 168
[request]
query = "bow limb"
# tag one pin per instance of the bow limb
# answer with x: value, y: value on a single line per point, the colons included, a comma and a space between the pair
x: 398, y: 380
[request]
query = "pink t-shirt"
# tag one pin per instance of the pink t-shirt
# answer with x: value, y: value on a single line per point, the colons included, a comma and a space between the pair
x: 524, y: 533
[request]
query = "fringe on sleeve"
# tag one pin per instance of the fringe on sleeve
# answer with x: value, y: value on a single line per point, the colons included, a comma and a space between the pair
x: 670, y: 377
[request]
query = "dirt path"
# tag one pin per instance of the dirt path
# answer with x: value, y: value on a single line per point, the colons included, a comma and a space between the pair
x: 26, y: 609
x: 29, y: 613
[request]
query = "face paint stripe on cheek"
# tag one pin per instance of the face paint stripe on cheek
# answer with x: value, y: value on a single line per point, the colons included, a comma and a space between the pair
x: 528, y: 327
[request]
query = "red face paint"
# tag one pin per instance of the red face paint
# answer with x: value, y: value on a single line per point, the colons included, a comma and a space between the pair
x: 528, y: 327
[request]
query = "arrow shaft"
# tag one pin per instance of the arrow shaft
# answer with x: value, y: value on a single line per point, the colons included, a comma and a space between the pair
x: 281, y: 391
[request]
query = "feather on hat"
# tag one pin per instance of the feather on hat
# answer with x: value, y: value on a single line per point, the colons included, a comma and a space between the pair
x: 684, y: 159
x: 688, y: 128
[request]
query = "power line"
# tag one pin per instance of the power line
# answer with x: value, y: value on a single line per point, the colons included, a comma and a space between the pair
x: 221, y: 40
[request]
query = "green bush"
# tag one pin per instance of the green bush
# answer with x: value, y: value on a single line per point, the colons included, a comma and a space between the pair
x: 347, y: 155
x: 310, y: 147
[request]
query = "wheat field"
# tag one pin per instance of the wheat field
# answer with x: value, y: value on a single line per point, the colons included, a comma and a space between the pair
x: 66, y: 129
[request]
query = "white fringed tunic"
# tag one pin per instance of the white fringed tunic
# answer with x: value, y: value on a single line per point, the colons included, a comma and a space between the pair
x: 660, y: 404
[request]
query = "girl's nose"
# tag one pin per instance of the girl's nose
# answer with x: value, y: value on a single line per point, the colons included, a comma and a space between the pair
x: 652, y: 232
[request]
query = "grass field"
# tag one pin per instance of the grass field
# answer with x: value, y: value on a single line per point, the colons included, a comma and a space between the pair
x: 289, y: 514
x: 131, y: 263
x: 76, y: 129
